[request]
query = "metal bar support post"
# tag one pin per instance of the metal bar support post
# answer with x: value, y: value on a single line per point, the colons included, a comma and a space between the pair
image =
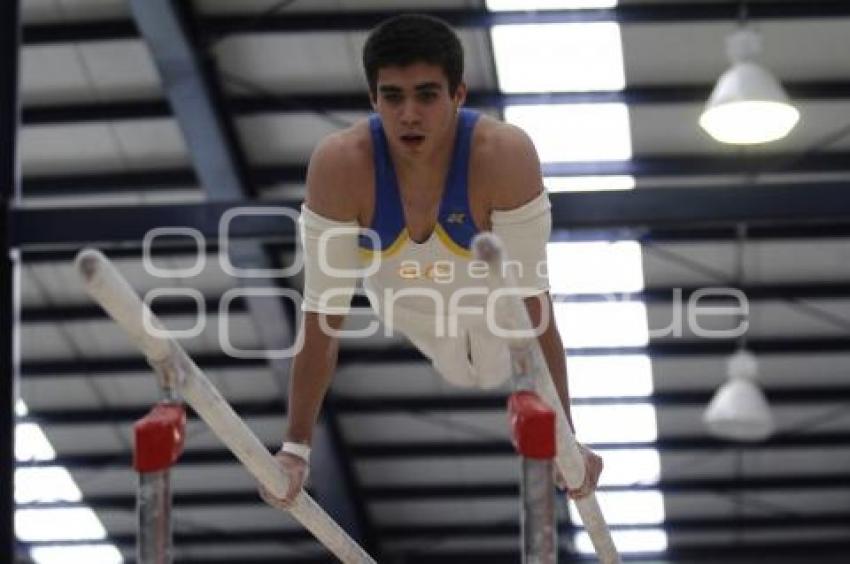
x: 159, y: 438
x: 533, y: 436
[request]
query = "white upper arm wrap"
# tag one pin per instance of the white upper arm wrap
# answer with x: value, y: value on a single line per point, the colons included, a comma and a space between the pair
x: 326, y: 291
x: 524, y: 232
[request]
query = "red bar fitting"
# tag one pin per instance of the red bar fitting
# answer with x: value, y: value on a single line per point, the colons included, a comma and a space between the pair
x: 159, y: 437
x: 532, y: 425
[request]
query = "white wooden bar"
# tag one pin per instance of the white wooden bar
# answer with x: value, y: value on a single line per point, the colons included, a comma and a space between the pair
x: 112, y: 291
x: 511, y: 313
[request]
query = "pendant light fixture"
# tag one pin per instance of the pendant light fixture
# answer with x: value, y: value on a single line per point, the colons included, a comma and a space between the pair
x: 739, y: 410
x: 748, y: 105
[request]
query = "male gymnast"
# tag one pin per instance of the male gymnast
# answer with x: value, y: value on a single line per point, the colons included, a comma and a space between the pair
x: 424, y: 175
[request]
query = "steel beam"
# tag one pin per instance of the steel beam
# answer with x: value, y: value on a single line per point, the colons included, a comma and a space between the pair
x: 163, y: 307
x: 190, y: 82
x: 691, y: 208
x: 475, y: 18
x: 496, y: 402
x: 481, y: 530
x: 832, y: 551
x: 133, y: 252
x: 749, y: 484
x: 187, y: 538
x: 817, y: 230
x: 135, y: 364
x: 818, y: 396
x: 112, y: 183
x: 674, y: 525
x: 721, y: 234
x: 828, y: 551
x: 457, y: 492
x: 700, y: 444
x: 696, y: 11
x: 403, y: 354
x: 77, y: 113
x: 660, y: 295
x: 705, y: 165
x: 124, y: 460
x: 477, y: 531
x: 639, y: 166
x: 56, y: 226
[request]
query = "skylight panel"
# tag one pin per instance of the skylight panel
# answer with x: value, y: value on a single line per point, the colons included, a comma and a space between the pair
x: 628, y: 508
x: 647, y: 540
x: 595, y: 267
x: 555, y: 57
x: 602, y: 324
x: 93, y: 553
x: 620, y: 423
x: 556, y: 184
x: 50, y: 483
x: 516, y: 5
x: 575, y: 132
x: 609, y: 376
x: 31, y: 443
x: 71, y: 523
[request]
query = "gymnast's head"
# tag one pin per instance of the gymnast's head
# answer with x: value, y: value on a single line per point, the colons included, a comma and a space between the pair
x: 414, y: 65
x: 403, y: 41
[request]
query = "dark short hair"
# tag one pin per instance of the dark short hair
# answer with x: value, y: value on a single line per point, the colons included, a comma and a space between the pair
x: 413, y: 38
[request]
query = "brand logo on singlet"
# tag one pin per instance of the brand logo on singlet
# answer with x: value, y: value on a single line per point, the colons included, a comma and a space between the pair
x: 455, y: 217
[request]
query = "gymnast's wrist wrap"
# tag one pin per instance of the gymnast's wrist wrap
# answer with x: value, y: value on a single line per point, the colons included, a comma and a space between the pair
x: 300, y: 450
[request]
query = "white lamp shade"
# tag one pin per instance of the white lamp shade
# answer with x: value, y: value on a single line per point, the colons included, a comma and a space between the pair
x: 748, y: 106
x: 739, y: 412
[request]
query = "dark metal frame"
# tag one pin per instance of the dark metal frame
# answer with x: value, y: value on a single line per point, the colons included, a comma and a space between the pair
x: 10, y: 37
x: 698, y: 444
x: 645, y: 166
x: 733, y: 553
x: 358, y: 101
x: 662, y: 296
x: 464, y: 491
x: 690, y: 208
x: 487, y: 403
x: 299, y: 22
x: 780, y: 209
x: 129, y: 366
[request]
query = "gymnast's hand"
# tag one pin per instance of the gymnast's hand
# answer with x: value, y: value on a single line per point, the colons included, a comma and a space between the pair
x: 593, y: 465
x: 296, y: 469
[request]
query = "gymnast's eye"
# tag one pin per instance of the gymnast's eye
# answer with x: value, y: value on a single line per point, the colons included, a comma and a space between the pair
x: 428, y: 96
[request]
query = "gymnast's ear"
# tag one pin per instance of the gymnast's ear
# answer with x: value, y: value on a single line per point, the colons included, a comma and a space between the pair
x: 460, y: 94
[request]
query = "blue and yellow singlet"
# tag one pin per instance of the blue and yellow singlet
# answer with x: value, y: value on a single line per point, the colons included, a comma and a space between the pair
x: 454, y: 228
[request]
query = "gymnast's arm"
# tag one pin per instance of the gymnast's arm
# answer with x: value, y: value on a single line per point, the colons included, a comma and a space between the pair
x: 515, y: 183
x: 330, y: 201
x: 520, y: 215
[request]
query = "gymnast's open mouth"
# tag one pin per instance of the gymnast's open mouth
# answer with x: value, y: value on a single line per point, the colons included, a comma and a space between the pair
x: 412, y: 139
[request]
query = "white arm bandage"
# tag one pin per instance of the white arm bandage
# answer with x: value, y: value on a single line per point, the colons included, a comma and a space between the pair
x: 524, y: 231
x: 331, y: 262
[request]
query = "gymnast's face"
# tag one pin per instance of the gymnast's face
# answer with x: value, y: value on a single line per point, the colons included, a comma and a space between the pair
x: 417, y: 111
